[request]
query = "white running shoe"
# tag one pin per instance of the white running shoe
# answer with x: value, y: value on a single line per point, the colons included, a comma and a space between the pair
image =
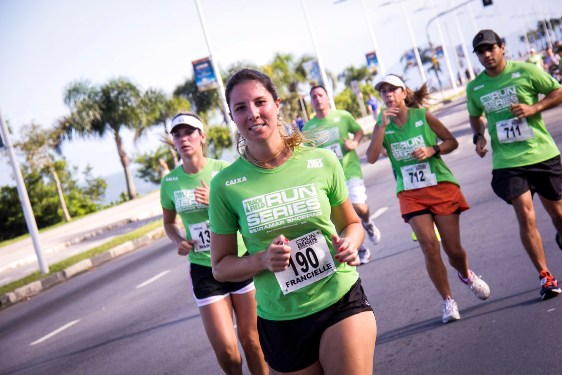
x: 477, y: 285
x: 372, y: 231
x: 450, y: 310
x: 364, y: 255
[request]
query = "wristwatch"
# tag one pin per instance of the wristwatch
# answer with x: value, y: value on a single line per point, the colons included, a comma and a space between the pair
x: 475, y: 137
x: 437, y: 150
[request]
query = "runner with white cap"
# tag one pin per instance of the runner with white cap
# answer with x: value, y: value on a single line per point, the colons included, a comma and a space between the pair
x: 185, y: 191
x: 427, y: 191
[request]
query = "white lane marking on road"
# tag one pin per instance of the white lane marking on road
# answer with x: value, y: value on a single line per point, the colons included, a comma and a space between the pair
x: 55, y: 332
x: 551, y: 310
x: 379, y: 212
x: 153, y: 279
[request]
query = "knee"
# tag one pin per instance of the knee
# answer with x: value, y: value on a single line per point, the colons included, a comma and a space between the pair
x: 228, y: 356
x: 430, y: 247
x: 250, y: 343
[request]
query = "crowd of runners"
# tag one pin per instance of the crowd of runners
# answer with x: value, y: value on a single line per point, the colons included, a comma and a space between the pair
x: 274, y: 239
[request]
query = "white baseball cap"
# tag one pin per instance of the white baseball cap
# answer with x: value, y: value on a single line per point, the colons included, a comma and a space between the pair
x: 186, y: 119
x: 391, y: 79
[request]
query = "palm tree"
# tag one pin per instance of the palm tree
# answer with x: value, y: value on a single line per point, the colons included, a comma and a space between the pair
x: 110, y: 108
x: 38, y: 147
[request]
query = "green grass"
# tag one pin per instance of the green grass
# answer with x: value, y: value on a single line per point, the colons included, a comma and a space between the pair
x: 54, y: 268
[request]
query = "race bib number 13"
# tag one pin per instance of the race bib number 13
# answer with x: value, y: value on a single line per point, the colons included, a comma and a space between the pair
x: 201, y: 234
x: 311, y: 261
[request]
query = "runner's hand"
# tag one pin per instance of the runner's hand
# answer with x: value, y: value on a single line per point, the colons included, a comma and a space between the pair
x: 202, y: 193
x: 185, y: 247
x: 522, y: 110
x: 386, y: 115
x: 277, y: 256
x: 350, y: 144
x: 480, y: 148
x: 422, y: 153
x: 346, y: 252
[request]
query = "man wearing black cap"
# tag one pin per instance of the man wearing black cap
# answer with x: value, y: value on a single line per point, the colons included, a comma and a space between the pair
x: 525, y: 158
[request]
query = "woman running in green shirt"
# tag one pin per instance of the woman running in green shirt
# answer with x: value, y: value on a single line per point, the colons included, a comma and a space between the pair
x: 427, y: 191
x: 185, y: 192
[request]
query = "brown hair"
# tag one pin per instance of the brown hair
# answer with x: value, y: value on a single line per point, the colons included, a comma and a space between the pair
x: 418, y: 98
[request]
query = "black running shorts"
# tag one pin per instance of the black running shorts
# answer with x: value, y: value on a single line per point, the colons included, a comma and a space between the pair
x: 544, y: 178
x: 292, y: 345
x: 205, y: 285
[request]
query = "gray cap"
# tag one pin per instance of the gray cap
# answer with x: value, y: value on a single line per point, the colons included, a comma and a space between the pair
x: 486, y: 37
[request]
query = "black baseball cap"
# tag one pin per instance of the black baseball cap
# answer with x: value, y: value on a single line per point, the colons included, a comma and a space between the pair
x: 486, y: 37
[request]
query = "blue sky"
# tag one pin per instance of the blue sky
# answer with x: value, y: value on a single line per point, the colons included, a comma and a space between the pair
x: 47, y: 44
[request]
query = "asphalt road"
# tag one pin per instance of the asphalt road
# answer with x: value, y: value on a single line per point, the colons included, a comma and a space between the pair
x: 136, y: 314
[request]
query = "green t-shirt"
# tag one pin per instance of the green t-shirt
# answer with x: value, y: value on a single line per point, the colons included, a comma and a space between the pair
x: 401, y: 141
x: 177, y: 193
x: 331, y: 131
x: 294, y: 199
x: 515, y: 143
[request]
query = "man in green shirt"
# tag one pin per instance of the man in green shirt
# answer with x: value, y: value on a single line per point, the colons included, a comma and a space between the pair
x: 525, y: 158
x: 332, y: 129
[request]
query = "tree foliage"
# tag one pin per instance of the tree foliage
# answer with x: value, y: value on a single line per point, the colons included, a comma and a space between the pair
x: 110, y: 108
x: 81, y: 198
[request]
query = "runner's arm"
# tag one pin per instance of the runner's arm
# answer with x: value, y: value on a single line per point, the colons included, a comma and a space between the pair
x: 448, y: 142
x: 173, y: 232
x: 376, y: 145
x: 478, y: 128
x: 551, y: 100
x: 350, y: 233
x: 228, y: 266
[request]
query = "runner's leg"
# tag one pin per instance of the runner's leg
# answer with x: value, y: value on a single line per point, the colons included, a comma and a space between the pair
x: 528, y: 231
x: 348, y: 346
x: 219, y: 326
x: 448, y: 226
x: 246, y: 317
x: 422, y: 226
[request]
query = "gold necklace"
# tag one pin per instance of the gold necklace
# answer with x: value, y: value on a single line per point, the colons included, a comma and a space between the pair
x: 262, y: 163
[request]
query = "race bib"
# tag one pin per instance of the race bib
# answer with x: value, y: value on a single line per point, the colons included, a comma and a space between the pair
x: 201, y: 234
x: 417, y: 176
x: 311, y: 261
x: 336, y: 149
x: 513, y: 130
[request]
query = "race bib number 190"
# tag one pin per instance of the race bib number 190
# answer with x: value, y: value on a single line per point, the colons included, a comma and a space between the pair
x: 310, y: 262
x: 201, y: 234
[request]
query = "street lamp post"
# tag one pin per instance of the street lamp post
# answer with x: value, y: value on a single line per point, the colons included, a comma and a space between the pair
x: 24, y: 199
x: 215, y: 66
x: 374, y: 40
x: 445, y: 53
x: 327, y: 86
x: 464, y: 49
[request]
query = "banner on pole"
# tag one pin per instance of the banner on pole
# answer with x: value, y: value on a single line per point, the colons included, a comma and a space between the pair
x: 439, y: 52
x: 205, y: 78
x: 372, y: 61
x: 312, y: 72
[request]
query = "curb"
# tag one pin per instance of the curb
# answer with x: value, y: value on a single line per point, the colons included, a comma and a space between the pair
x: 36, y: 287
